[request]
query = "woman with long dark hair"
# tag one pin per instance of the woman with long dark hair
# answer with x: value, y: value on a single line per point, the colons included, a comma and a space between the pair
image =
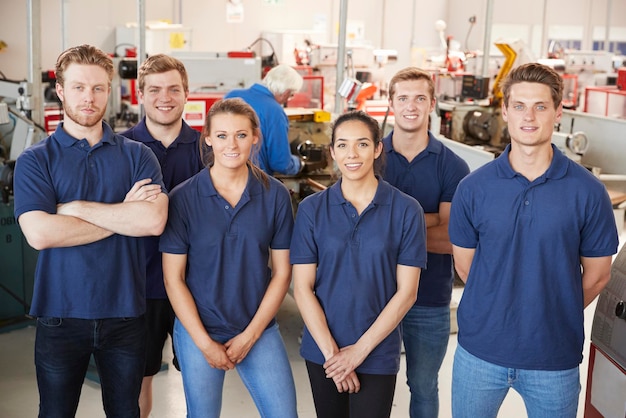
x: 357, y: 252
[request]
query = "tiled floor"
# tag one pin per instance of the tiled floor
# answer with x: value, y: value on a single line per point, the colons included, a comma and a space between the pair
x: 19, y: 398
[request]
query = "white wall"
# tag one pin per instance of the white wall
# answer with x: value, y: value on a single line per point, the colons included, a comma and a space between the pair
x: 562, y: 16
x: 388, y: 23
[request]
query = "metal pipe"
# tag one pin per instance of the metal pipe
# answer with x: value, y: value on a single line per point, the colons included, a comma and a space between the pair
x: 141, y: 25
x: 607, y: 30
x: 588, y: 30
x: 34, y: 60
x: 178, y: 14
x: 487, y: 39
x: 382, y: 24
x: 141, y: 48
x: 544, y: 30
x: 341, y: 54
x: 413, y: 19
x: 64, y: 42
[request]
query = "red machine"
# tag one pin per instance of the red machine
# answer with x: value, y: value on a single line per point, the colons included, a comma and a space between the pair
x: 606, y: 379
x: 621, y: 78
x: 197, y: 106
x: 607, y: 101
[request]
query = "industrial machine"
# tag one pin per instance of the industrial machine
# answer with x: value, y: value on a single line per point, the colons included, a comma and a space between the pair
x: 607, y: 101
x: 607, y: 147
x: 17, y: 131
x: 18, y: 98
x: 212, y: 75
x: 573, y: 145
x: 474, y: 125
x: 17, y: 258
x: 220, y: 71
x: 309, y: 136
x: 606, y: 379
x: 469, y: 105
x: 592, y: 140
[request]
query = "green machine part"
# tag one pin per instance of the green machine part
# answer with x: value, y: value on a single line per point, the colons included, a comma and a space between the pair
x: 17, y: 267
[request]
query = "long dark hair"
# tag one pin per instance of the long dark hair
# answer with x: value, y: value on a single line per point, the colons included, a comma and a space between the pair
x: 373, y: 127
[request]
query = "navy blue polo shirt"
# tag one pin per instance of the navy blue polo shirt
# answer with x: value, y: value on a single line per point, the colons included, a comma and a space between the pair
x: 357, y: 258
x: 431, y: 178
x: 227, y: 248
x: 522, y: 306
x: 179, y: 161
x: 104, y: 279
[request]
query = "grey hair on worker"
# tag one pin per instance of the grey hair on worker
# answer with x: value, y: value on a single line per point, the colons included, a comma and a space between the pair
x: 282, y: 78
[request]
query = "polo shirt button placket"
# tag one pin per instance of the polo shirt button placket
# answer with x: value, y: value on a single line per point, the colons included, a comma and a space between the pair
x: 525, y: 200
x: 354, y: 236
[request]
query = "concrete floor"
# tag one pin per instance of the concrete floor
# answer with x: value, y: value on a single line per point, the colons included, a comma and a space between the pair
x: 19, y: 397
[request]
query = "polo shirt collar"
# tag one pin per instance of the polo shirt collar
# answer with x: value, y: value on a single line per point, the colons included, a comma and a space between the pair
x: 556, y: 170
x: 186, y: 135
x: 206, y: 188
x: 66, y: 140
x: 382, y: 196
x: 141, y: 133
x: 435, y: 146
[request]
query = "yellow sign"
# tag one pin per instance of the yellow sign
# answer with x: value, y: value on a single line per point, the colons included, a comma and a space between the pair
x: 195, y: 112
x: 177, y: 40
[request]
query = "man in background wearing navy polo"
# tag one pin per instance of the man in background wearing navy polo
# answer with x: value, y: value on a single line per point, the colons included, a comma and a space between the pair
x: 163, y: 87
x: 421, y: 166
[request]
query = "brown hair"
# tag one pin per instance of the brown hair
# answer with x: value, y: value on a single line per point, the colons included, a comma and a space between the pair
x: 84, y: 55
x: 534, y: 73
x: 233, y: 106
x: 410, y: 74
x: 161, y: 63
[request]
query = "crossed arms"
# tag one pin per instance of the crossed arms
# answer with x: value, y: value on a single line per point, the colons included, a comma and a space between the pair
x: 142, y: 213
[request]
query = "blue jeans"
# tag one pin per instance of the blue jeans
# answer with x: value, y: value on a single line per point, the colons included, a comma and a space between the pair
x: 479, y: 388
x: 425, y: 333
x: 63, y: 347
x: 265, y: 372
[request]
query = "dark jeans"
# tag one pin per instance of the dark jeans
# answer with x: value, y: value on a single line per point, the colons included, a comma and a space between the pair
x: 374, y: 400
x: 63, y: 347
